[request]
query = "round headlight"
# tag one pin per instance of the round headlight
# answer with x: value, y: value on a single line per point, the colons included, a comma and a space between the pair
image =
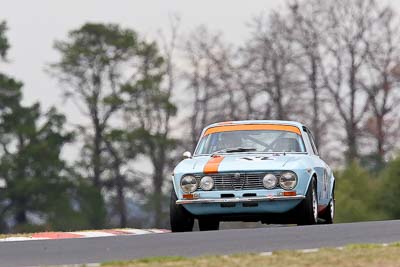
x: 188, y: 184
x: 270, y: 181
x: 288, y: 180
x: 207, y: 183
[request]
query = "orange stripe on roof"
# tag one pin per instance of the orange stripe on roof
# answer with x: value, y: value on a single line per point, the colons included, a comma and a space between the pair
x: 252, y: 127
x: 213, y: 164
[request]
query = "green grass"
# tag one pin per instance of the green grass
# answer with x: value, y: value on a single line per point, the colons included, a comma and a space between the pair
x: 363, y: 255
x: 152, y: 260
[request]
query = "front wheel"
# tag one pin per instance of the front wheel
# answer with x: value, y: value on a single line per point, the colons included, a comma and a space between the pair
x: 308, y: 209
x: 329, y: 214
x: 181, y: 220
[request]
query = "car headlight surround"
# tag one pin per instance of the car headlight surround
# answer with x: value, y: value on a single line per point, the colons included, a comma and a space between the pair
x: 207, y: 183
x: 270, y: 181
x: 288, y: 180
x: 189, y: 184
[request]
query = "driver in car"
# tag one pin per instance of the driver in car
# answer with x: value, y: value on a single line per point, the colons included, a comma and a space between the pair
x: 230, y: 140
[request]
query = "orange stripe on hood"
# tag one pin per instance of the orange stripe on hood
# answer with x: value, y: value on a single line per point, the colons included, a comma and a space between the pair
x: 213, y: 164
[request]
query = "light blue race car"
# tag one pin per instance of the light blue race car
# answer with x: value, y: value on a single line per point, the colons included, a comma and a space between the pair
x: 266, y: 171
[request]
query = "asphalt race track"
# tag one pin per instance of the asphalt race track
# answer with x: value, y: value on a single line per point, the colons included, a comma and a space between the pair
x: 94, y: 250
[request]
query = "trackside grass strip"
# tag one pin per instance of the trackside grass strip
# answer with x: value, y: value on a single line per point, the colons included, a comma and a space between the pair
x: 365, y: 255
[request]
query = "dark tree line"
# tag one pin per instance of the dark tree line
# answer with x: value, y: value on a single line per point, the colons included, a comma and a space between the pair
x: 333, y: 65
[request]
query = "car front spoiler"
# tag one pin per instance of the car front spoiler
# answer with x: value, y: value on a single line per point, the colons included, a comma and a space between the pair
x: 237, y: 199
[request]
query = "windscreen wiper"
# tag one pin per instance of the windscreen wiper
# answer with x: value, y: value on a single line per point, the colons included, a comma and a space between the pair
x: 235, y: 149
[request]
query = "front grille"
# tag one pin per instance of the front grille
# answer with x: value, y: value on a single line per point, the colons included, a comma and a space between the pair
x: 236, y: 181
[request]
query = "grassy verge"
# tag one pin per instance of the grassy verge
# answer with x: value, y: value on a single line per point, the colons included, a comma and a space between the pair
x: 366, y: 255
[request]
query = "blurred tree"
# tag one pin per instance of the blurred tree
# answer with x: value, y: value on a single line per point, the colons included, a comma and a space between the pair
x: 88, y: 208
x: 39, y: 184
x: 10, y: 95
x: 122, y: 145
x: 209, y: 80
x: 42, y: 191
x: 109, y: 70
x: 93, y: 65
x: 149, y: 109
x: 303, y: 29
x: 31, y: 143
x: 4, y: 45
x: 357, y: 195
x: 10, y: 89
x: 382, y: 83
x: 273, y: 69
x: 346, y: 33
x: 337, y: 61
x: 388, y: 194
x: 148, y: 112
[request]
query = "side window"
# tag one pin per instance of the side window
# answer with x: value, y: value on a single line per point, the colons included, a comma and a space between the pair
x: 311, y: 137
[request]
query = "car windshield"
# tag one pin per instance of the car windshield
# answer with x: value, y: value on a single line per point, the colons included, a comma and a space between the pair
x: 259, y: 141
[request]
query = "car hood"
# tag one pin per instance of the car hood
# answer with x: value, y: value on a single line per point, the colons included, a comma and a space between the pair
x: 244, y: 162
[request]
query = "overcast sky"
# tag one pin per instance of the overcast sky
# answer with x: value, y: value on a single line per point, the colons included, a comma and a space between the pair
x: 34, y: 25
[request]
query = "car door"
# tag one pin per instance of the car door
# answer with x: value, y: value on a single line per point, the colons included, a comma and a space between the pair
x: 323, y: 171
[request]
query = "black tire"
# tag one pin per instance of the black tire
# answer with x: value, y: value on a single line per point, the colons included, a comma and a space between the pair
x: 181, y: 220
x: 329, y: 214
x: 308, y: 209
x: 207, y: 224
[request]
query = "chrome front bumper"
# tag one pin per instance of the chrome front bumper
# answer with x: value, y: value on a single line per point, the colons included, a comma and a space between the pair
x: 237, y: 199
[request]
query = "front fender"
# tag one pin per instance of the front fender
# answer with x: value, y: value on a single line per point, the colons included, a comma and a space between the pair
x: 308, y: 181
x: 174, y: 187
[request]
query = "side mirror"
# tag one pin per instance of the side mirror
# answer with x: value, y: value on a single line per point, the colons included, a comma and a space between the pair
x: 3, y: 183
x: 187, y: 155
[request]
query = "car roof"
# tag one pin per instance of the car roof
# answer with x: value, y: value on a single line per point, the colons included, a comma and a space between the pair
x: 276, y: 122
x: 279, y: 122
